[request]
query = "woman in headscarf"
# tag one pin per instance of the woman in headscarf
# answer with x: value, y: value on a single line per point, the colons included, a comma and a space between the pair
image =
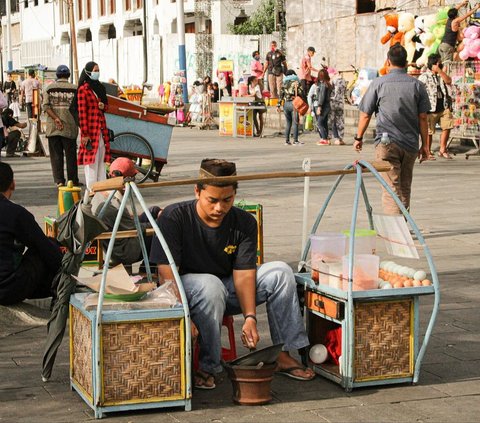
x: 91, y: 99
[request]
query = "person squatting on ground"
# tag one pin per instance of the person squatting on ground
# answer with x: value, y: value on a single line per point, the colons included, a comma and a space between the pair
x: 446, y: 49
x: 401, y: 104
x: 305, y: 71
x: 319, y: 104
x: 91, y: 100
x: 214, y: 245
x: 255, y: 90
x: 275, y: 63
x: 127, y: 250
x: 437, y: 83
x: 23, y: 274
x: 30, y: 84
x: 11, y: 127
x: 290, y: 89
x: 3, y: 134
x: 62, y: 131
x: 336, y: 118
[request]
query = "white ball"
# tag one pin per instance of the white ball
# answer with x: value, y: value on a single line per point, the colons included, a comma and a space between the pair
x: 387, y: 285
x: 318, y: 353
x: 419, y: 275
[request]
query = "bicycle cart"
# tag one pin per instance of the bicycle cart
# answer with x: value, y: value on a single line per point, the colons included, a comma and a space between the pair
x: 141, y: 135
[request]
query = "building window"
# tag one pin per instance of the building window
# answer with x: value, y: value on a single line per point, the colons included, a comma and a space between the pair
x: 128, y: 4
x: 112, y: 6
x: 89, y: 9
x: 365, y: 6
x: 63, y: 12
x: 101, y: 6
x: 80, y: 11
x: 35, y: 2
x: 25, y: 4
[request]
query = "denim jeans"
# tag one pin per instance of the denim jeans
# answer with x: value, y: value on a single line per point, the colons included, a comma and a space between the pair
x: 291, y: 116
x: 322, y: 122
x: 209, y: 298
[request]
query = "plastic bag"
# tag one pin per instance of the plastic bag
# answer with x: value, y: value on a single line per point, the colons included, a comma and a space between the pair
x: 165, y: 295
x: 309, y: 122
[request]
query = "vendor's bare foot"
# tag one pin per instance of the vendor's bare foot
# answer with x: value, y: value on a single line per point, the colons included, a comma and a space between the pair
x: 288, y: 366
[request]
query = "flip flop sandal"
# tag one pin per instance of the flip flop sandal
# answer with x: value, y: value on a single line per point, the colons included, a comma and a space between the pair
x: 288, y: 373
x: 201, y: 380
x: 444, y: 155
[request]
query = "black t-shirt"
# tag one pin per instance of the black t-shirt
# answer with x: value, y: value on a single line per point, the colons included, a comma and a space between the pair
x: 18, y: 224
x: 198, y: 248
x: 275, y: 60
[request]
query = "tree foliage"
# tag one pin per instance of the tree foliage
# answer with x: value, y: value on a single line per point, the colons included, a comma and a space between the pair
x: 261, y: 22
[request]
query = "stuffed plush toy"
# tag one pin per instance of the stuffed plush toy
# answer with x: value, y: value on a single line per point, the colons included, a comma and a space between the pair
x: 406, y: 25
x: 166, y: 92
x: 392, y: 35
x: 471, y: 43
x: 419, y: 29
x: 427, y: 39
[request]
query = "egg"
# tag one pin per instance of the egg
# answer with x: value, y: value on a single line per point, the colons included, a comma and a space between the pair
x: 408, y: 283
x: 382, y: 264
x: 411, y: 273
x: 380, y: 282
x: 387, y: 285
x: 419, y: 275
x: 417, y: 283
x: 405, y: 271
x: 398, y: 284
x: 426, y: 282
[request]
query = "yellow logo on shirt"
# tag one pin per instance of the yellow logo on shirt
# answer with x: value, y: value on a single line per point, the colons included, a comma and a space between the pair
x: 230, y: 249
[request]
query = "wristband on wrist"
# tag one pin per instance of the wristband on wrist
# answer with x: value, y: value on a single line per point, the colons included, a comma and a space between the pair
x: 356, y: 138
x: 252, y: 316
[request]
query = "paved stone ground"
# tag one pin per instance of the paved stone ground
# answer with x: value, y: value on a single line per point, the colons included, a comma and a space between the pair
x: 446, y: 207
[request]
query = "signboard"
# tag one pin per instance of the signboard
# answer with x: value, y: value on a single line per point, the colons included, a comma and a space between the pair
x: 225, y: 66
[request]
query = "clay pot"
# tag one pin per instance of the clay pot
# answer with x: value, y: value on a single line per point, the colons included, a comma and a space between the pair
x: 251, y: 384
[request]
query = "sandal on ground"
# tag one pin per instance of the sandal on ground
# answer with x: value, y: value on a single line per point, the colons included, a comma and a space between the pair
x: 204, y: 380
x: 431, y: 157
x: 444, y: 155
x: 289, y: 373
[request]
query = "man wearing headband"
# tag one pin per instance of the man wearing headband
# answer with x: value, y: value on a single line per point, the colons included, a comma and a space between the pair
x: 214, y: 246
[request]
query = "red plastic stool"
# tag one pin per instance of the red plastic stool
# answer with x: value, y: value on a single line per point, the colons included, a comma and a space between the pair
x: 228, y: 354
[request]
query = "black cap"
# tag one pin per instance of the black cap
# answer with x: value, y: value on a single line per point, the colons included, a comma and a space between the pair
x: 62, y: 71
x: 311, y: 49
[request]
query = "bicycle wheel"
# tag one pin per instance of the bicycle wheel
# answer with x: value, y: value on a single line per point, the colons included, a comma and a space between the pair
x: 137, y: 149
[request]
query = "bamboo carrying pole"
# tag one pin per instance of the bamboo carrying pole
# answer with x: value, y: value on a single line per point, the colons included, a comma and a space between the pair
x: 116, y: 183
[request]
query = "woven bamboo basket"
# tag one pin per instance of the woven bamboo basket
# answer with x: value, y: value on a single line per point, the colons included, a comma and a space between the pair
x: 384, y: 340
x: 141, y: 361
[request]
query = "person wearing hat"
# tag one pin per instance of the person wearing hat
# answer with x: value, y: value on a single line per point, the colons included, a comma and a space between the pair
x: 23, y: 273
x: 214, y: 246
x: 126, y: 250
x: 305, y: 71
x: 61, y: 131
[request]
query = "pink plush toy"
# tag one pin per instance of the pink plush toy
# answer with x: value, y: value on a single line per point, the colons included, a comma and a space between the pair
x: 471, y: 43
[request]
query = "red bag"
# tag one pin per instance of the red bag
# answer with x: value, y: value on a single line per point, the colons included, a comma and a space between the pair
x: 333, y: 343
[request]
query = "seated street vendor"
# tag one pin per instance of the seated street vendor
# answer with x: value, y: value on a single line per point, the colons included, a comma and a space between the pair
x: 23, y: 274
x: 214, y: 246
x: 126, y: 250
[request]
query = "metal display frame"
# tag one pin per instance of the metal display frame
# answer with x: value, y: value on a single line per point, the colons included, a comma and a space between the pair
x: 349, y: 299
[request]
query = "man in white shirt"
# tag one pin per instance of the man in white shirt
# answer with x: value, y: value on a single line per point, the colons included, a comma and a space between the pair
x: 28, y: 86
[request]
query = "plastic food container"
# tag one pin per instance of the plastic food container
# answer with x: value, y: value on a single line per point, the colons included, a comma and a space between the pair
x: 326, y: 247
x: 365, y: 272
x: 330, y: 274
x: 365, y: 241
